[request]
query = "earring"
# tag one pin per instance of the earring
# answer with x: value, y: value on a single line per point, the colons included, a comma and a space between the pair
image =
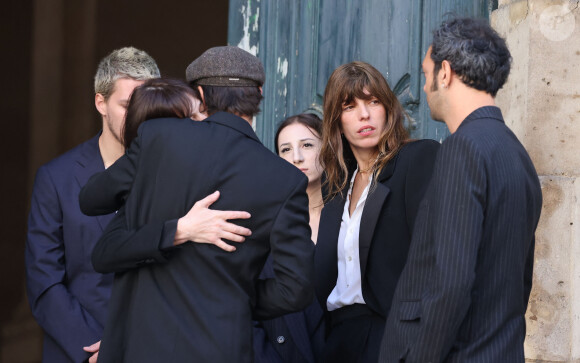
x: 443, y: 85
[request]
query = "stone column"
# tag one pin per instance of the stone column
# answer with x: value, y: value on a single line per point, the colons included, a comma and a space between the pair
x: 541, y: 104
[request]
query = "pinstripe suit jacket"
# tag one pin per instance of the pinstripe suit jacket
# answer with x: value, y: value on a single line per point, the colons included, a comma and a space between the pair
x: 463, y: 294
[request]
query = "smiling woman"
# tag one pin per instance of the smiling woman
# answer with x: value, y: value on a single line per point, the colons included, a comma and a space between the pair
x: 376, y: 179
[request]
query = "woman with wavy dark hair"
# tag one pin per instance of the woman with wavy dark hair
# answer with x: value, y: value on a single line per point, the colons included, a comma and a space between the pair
x: 376, y: 177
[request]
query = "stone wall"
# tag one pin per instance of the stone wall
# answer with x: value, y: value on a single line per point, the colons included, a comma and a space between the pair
x: 541, y: 103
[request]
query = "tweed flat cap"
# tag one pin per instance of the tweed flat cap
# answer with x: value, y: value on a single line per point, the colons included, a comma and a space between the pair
x: 227, y: 66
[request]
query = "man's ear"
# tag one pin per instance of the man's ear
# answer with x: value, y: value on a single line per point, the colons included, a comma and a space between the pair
x: 445, y: 74
x: 101, y: 104
x: 260, y: 87
x: 201, y: 95
x: 202, y: 107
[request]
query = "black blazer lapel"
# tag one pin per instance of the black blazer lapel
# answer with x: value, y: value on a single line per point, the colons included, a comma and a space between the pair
x: 373, y: 205
x: 235, y: 122
x: 368, y: 222
x: 89, y: 162
x: 326, y: 248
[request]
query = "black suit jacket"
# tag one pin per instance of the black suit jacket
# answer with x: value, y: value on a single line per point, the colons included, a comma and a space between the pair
x: 293, y: 338
x: 385, y: 231
x: 195, y: 302
x: 464, y: 292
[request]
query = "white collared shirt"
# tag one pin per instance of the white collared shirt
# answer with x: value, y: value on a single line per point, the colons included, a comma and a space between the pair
x: 348, y: 289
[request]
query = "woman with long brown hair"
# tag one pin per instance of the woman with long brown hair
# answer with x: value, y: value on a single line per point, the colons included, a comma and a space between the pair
x: 376, y: 178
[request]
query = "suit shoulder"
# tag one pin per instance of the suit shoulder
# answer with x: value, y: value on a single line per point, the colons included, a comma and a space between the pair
x: 465, y: 139
x: 88, y: 148
x: 418, y: 148
x: 163, y: 123
x: 421, y: 145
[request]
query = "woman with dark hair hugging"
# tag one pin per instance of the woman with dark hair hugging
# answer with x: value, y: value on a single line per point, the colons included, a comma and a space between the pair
x: 157, y: 98
x: 376, y: 178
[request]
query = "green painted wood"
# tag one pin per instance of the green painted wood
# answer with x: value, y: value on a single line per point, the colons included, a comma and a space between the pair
x: 284, y: 35
x: 301, y: 42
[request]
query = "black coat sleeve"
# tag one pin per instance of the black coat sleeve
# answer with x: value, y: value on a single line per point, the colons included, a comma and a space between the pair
x: 292, y: 254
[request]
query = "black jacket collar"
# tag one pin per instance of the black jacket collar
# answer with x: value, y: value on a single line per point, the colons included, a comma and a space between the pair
x: 235, y: 122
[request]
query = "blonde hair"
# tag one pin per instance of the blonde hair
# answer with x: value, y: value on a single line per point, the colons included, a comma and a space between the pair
x: 125, y: 62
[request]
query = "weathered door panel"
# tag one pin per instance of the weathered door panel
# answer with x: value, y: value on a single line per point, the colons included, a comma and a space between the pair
x: 302, y: 41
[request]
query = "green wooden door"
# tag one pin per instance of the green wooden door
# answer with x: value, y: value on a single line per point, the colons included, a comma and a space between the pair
x: 301, y: 42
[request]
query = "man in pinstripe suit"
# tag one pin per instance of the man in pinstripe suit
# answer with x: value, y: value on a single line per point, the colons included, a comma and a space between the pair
x: 464, y: 291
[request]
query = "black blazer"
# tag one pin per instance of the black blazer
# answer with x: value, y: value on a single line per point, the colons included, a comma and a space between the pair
x: 385, y: 231
x: 293, y: 338
x: 464, y: 292
x: 195, y: 303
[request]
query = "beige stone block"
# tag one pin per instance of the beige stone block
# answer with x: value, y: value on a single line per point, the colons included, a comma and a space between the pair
x: 554, y: 87
x: 551, y: 307
x: 541, y: 100
x: 541, y: 104
x: 513, y: 97
x: 575, y: 276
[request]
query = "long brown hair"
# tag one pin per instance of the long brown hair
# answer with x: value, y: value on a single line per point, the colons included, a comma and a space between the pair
x: 347, y: 82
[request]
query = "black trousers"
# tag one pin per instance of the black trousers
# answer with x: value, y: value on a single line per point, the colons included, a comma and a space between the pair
x: 354, y: 335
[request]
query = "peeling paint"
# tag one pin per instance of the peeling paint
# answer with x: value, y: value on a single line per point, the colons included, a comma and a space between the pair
x: 256, y: 20
x: 246, y: 34
x: 282, y: 67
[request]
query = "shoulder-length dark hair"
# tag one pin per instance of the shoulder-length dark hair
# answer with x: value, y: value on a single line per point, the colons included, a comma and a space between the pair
x: 309, y: 120
x: 158, y: 97
x: 347, y: 82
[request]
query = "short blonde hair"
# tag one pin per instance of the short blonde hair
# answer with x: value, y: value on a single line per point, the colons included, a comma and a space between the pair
x: 125, y: 62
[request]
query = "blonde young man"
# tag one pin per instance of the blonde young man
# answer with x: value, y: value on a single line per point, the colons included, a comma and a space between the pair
x: 67, y: 297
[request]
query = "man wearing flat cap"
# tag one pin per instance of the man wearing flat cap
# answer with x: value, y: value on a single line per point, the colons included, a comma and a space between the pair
x: 192, y: 302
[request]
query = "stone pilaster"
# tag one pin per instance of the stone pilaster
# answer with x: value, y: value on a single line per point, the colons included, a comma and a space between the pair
x: 541, y: 104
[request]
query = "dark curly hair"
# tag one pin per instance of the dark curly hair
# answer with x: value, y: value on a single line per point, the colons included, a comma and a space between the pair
x: 476, y: 53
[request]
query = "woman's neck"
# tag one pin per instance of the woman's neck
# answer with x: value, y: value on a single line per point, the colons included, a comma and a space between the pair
x: 366, y: 161
x: 315, y: 202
